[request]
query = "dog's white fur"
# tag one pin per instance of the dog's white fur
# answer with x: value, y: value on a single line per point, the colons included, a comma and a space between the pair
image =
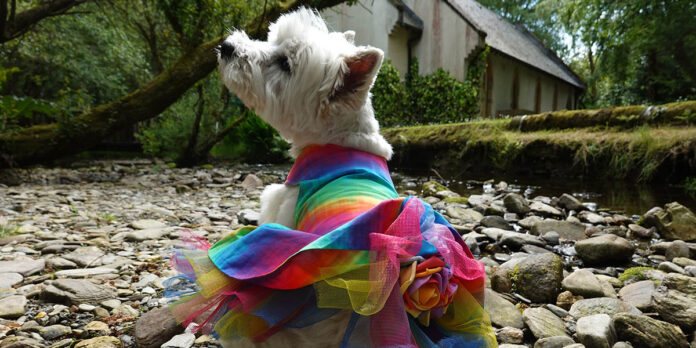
x: 323, y: 99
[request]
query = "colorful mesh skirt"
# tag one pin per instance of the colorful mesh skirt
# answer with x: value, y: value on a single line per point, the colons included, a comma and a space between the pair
x: 403, y: 271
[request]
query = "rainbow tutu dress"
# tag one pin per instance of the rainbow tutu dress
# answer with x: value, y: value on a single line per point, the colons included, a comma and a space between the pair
x: 398, y: 265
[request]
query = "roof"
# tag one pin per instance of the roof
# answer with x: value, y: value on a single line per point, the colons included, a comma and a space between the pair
x: 514, y: 41
x: 407, y: 17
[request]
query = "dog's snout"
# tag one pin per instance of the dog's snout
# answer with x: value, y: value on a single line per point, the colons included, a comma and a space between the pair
x: 226, y: 50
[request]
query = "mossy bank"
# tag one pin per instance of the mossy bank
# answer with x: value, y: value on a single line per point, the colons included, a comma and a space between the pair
x: 638, y: 151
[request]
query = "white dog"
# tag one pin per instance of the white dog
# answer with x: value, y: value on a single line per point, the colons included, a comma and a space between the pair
x: 313, y: 86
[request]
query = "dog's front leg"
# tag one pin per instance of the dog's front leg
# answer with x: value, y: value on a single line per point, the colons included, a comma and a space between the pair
x: 278, y: 204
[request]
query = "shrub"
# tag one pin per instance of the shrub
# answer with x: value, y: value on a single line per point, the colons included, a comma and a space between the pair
x: 429, y: 99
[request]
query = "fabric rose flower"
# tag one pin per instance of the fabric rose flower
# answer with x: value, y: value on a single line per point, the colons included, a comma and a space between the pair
x: 427, y: 288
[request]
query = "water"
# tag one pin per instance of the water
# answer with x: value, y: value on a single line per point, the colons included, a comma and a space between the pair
x: 630, y: 198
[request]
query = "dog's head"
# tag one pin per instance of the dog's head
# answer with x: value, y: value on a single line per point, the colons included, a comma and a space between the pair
x: 305, y: 80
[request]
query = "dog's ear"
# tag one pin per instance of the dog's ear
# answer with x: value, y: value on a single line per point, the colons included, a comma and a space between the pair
x: 361, y: 71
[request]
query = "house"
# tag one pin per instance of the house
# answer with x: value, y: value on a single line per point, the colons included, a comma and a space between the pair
x: 522, y: 76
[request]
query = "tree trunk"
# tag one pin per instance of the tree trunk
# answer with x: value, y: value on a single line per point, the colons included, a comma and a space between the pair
x: 49, y: 141
x: 189, y: 155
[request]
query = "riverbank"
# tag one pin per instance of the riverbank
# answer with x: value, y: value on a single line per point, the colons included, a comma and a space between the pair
x: 559, y: 144
x: 84, y: 254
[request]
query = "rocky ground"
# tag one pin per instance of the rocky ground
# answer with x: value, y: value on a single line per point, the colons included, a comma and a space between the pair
x: 84, y: 254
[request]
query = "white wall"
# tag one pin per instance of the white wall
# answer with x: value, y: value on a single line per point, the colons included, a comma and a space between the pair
x: 446, y: 40
x: 503, y: 78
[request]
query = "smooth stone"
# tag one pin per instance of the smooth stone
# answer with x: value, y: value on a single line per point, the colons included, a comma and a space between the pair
x: 529, y: 221
x: 554, y: 342
x: 638, y: 294
x: 605, y: 249
x: 466, y: 215
x: 678, y: 248
x: 551, y: 237
x: 640, y: 231
x: 248, y: 217
x: 86, y: 307
x: 57, y: 262
x: 516, y: 240
x: 684, y: 262
x: 515, y: 203
x: 85, y: 256
x: 670, y: 267
x: 507, y: 345
x: 567, y: 230
x: 54, y: 331
x: 543, y: 323
x: 494, y: 233
x: 147, y: 234
x: 501, y: 311
x: 533, y: 249
x: 509, y: 335
x: 607, y: 289
x: 558, y: 311
x: 7, y: 280
x: 690, y: 270
x: 111, y: 304
x: 100, y: 342
x: 184, y: 340
x: 675, y: 307
x: 544, y: 209
x: 570, y: 203
x: 591, y: 217
x: 76, y: 291
x: 495, y: 221
x: 96, y: 328
x: 596, y: 331
x: 582, y: 282
x: 643, y: 331
x: 126, y: 311
x: 252, y: 181
x: 146, y: 224
x: 85, y: 272
x: 601, y: 305
x: 13, y: 306
x: 615, y: 282
x: 23, y: 265
x: 622, y: 345
x: 155, y: 327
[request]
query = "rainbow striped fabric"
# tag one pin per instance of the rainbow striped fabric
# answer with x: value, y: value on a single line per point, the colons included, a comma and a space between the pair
x: 399, y: 266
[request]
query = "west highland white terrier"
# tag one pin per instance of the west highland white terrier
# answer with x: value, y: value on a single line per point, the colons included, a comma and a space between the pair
x: 339, y: 258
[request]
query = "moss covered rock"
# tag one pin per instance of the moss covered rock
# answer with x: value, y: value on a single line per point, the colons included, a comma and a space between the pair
x: 643, y: 331
x: 538, y: 277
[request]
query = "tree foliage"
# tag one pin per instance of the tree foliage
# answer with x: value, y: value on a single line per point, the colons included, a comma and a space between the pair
x: 150, y: 87
x: 433, y: 98
x: 628, y: 52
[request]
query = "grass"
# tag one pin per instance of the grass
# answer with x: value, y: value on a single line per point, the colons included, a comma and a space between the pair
x: 6, y: 231
x: 690, y: 185
x: 617, y: 152
x: 108, y: 217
